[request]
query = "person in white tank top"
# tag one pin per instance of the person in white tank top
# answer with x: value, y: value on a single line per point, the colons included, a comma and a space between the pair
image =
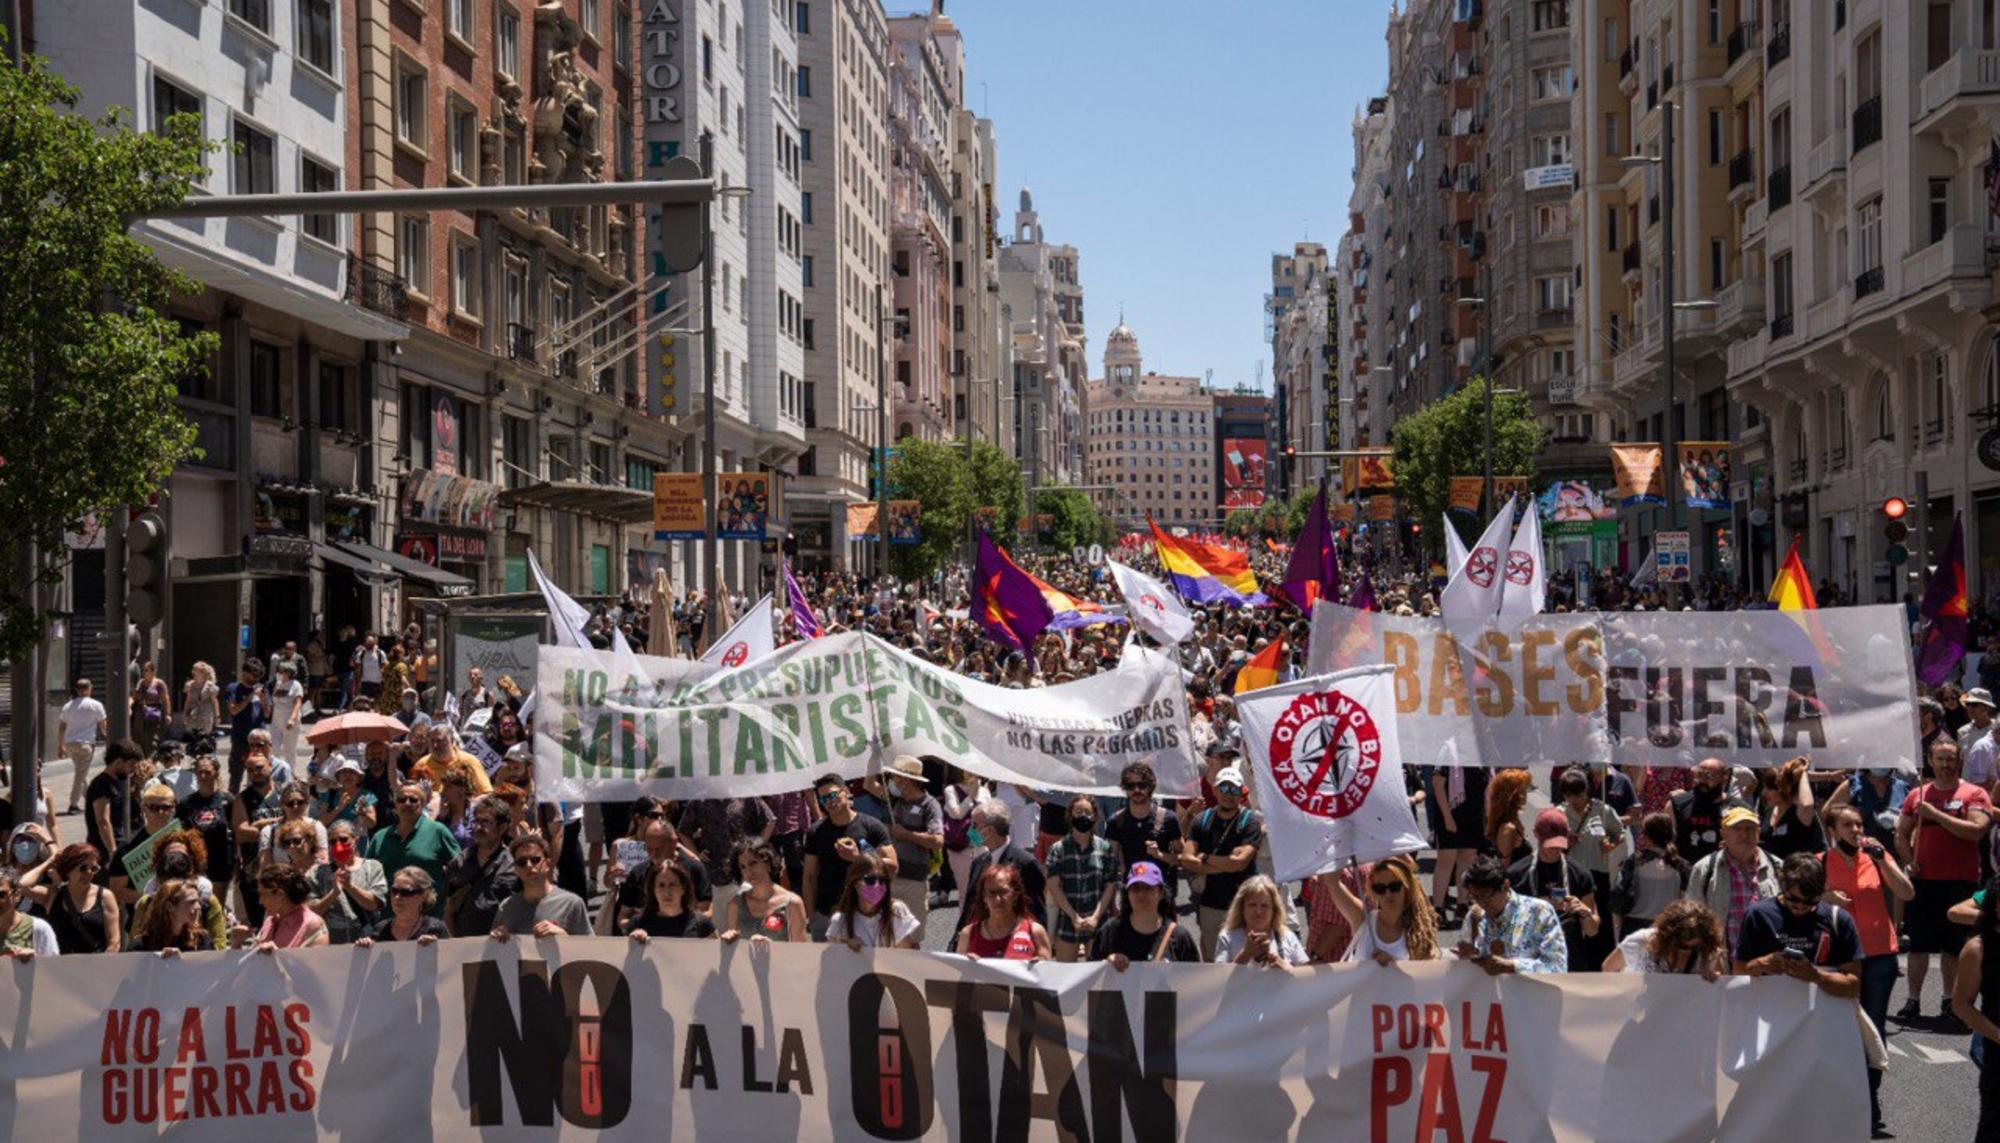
x: 1397, y: 922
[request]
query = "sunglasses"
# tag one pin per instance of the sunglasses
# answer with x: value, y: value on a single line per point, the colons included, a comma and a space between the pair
x: 409, y: 801
x: 653, y: 815
x: 1229, y: 788
x: 166, y: 807
x: 534, y: 862
x: 289, y: 803
x: 406, y: 891
x: 89, y: 870
x: 1137, y: 788
x: 297, y: 843
x: 830, y: 797
x: 1385, y: 888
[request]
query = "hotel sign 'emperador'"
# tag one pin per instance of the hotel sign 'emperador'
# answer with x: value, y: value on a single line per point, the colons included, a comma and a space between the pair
x: 662, y: 74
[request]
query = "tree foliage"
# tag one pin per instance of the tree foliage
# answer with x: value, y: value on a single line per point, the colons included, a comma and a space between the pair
x: 935, y: 474
x: 89, y: 363
x: 1447, y: 439
x: 1073, y: 519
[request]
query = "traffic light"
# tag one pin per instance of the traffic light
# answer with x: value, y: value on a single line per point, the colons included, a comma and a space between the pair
x: 145, y: 568
x: 1895, y: 530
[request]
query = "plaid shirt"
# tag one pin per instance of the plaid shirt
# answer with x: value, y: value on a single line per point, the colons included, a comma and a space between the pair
x: 1530, y: 933
x: 1083, y: 874
x: 1743, y: 893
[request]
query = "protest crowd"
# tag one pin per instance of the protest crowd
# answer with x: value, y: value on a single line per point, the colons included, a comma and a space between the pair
x: 223, y: 825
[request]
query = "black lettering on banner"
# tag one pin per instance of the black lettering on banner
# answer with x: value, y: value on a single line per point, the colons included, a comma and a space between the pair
x: 969, y: 1002
x: 1753, y: 706
x: 1144, y: 1084
x: 891, y: 1086
x: 1035, y: 1031
x: 1804, y: 716
x: 589, y: 1082
x: 1621, y: 699
x: 697, y: 1059
x: 1703, y: 707
x: 1663, y: 706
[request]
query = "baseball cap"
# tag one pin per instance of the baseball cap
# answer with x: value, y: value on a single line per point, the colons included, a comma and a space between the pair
x: 1552, y: 828
x: 1230, y: 776
x: 1736, y: 816
x: 1144, y: 873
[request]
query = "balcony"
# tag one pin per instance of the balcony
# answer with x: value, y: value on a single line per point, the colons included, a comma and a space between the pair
x: 1743, y: 44
x: 1826, y: 167
x: 1960, y: 255
x: 1624, y: 63
x: 1839, y: 14
x: 1652, y: 210
x: 1826, y: 316
x: 1868, y: 124
x: 1779, y: 49
x: 1742, y: 169
x: 1746, y: 355
x: 1739, y: 308
x: 1555, y: 318
x: 1868, y: 282
x: 1630, y: 369
x: 1778, y: 187
x: 1783, y: 326
x: 521, y: 342
x: 372, y: 287
x: 1631, y: 258
x: 1947, y: 99
x: 1754, y: 218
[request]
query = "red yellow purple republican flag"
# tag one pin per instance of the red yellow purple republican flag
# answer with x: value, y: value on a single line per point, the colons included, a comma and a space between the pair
x: 1263, y: 668
x: 1206, y: 573
x: 1792, y: 590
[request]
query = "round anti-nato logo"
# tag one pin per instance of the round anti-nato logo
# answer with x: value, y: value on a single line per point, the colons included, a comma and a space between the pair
x: 1481, y: 566
x: 1520, y: 568
x: 737, y: 654
x: 1325, y: 751
x: 1152, y: 601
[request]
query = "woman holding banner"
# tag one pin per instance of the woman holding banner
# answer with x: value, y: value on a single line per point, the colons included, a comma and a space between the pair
x: 1141, y: 932
x: 175, y: 925
x: 1255, y: 930
x: 867, y: 916
x: 1397, y: 922
x: 1002, y: 927
x: 1685, y: 938
x: 763, y: 909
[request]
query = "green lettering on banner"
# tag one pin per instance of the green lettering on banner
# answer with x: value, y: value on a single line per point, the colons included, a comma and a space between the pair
x: 845, y: 711
x: 713, y: 717
x: 917, y: 721
x: 749, y: 746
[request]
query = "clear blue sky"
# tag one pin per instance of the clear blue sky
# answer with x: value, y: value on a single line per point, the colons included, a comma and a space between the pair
x: 1117, y: 112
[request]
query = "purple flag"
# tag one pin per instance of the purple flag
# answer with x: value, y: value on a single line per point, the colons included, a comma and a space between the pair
x: 803, y: 620
x: 1006, y: 602
x: 1314, y: 570
x: 1944, y: 612
x: 1363, y: 596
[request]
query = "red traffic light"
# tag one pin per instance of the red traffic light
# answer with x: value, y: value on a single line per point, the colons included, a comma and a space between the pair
x: 1895, y: 507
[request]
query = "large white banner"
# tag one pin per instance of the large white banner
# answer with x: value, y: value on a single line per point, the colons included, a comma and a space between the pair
x: 1329, y: 771
x: 843, y: 704
x: 598, y: 1038
x: 1753, y: 688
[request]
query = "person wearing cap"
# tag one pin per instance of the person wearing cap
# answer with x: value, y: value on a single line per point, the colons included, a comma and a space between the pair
x: 1736, y: 876
x: 1551, y: 874
x: 348, y: 801
x: 1976, y: 742
x: 1142, y: 931
x: 916, y: 825
x: 1221, y: 847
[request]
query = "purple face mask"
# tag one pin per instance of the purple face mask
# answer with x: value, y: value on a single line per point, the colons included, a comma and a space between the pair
x: 871, y: 895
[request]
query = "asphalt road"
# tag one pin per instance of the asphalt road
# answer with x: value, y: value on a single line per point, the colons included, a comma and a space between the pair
x: 1931, y: 1092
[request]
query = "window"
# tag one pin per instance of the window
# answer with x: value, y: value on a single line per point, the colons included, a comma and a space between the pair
x: 458, y: 18
x: 517, y: 447
x: 708, y: 60
x: 315, y: 34
x: 413, y: 254
x: 1868, y: 68
x: 1550, y: 82
x: 1868, y: 235
x: 1548, y: 15
x: 805, y: 83
x: 806, y: 145
x: 1714, y: 22
x: 802, y: 18
x: 412, y: 89
x: 806, y: 207
x: 1552, y: 293
x: 1614, y: 44
x: 316, y: 177
x: 621, y: 37
x: 1548, y: 150
x: 1612, y: 217
x: 506, y: 39
x: 465, y: 278
x: 255, y: 161
x: 1718, y: 263
x: 171, y: 99
x: 1552, y: 220
x: 256, y: 13
x: 1781, y: 286
x: 1714, y: 137
x: 266, y: 369
x: 590, y: 14
x: 339, y: 397
x: 1611, y: 146
x: 1940, y: 208
x: 464, y: 141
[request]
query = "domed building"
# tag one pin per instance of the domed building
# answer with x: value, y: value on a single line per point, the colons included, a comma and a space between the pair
x: 1150, y: 439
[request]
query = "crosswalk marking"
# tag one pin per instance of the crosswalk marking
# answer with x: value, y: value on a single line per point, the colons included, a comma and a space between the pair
x: 1924, y: 1053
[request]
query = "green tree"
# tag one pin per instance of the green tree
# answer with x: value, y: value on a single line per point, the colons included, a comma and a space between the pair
x: 1447, y: 439
x: 89, y: 362
x: 1073, y: 518
x: 1240, y: 521
x: 935, y: 474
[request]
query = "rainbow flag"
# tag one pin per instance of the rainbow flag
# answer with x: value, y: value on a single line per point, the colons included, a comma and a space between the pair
x: 1792, y: 590
x: 1262, y: 669
x: 1204, y: 573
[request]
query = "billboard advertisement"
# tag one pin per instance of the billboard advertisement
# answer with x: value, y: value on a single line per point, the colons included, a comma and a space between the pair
x: 1242, y: 473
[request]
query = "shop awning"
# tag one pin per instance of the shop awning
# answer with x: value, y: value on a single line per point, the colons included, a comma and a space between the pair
x: 369, y: 571
x: 603, y: 501
x: 446, y: 583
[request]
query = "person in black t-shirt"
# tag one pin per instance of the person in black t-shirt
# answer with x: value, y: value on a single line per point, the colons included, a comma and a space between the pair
x: 111, y: 799
x: 1145, y: 830
x: 832, y: 843
x: 1222, y: 847
x: 206, y: 811
x: 1141, y: 932
x: 1548, y: 873
x: 669, y: 909
x: 1698, y: 812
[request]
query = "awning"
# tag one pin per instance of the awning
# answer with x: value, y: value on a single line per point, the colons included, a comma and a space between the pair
x: 446, y: 583
x: 603, y: 501
x: 368, y: 571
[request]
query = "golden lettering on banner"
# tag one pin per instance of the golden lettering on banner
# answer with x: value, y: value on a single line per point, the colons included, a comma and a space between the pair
x: 1465, y: 493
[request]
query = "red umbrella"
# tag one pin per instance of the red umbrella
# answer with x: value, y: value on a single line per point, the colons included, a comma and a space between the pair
x: 355, y: 726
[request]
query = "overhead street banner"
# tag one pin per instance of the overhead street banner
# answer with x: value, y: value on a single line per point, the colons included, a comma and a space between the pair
x: 846, y: 705
x: 601, y: 1039
x: 1754, y: 688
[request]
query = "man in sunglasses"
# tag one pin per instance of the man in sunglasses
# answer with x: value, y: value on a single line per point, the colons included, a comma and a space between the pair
x: 540, y: 908
x: 1800, y: 935
x: 1222, y: 847
x: 415, y: 839
x: 1144, y: 830
x: 835, y: 842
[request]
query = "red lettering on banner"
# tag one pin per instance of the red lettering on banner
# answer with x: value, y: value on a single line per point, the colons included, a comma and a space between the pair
x: 173, y: 1096
x: 1495, y: 1071
x: 1402, y: 1108
x: 268, y: 1075
x: 1389, y: 1086
x: 118, y: 1031
x: 296, y: 1017
x: 267, y: 1042
x: 113, y: 1102
x: 191, y: 1049
x: 236, y: 1085
x: 304, y: 1097
x: 146, y: 1035
x: 203, y: 1099
x: 1437, y: 1107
